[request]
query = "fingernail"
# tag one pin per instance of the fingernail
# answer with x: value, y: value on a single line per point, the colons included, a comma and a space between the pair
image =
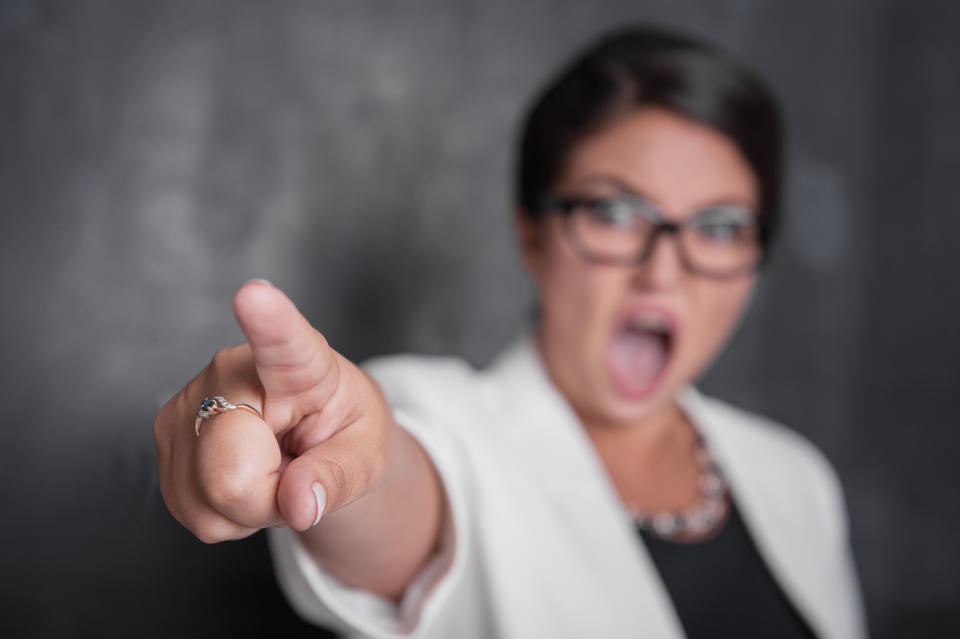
x: 321, y: 496
x: 259, y: 279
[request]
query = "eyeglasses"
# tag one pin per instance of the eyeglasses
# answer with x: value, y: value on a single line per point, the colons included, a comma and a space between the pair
x: 719, y: 241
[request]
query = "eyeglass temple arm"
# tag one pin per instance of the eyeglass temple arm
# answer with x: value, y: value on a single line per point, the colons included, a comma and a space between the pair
x: 553, y: 203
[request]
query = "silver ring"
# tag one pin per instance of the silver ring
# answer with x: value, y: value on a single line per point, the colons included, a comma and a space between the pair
x: 212, y: 406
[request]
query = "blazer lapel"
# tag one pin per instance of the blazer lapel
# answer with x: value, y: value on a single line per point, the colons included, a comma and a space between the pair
x: 578, y: 486
x: 768, y: 505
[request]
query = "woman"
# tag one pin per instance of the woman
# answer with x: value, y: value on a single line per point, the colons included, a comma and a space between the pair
x: 579, y: 486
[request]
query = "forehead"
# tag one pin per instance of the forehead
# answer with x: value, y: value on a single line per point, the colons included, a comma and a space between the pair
x: 674, y: 161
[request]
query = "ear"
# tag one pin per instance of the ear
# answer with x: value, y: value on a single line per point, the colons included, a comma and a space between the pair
x: 530, y: 239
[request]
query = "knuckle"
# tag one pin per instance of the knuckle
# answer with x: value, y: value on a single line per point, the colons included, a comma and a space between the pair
x: 230, y: 367
x: 207, y: 538
x: 213, y: 532
x: 162, y: 420
x: 230, y: 490
x: 222, y: 357
x: 166, y: 493
x: 229, y: 357
x: 158, y: 429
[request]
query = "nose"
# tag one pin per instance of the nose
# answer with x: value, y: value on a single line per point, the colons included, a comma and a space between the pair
x: 663, y: 267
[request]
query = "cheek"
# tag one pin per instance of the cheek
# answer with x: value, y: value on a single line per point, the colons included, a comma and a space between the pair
x: 718, y: 309
x: 576, y: 295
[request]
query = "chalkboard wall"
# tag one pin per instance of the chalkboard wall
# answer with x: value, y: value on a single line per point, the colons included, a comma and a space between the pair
x: 155, y: 155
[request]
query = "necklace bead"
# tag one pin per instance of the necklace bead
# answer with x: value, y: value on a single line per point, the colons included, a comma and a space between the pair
x: 700, y: 519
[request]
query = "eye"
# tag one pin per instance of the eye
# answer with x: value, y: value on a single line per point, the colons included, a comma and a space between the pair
x: 612, y: 212
x: 724, y: 223
x: 718, y: 230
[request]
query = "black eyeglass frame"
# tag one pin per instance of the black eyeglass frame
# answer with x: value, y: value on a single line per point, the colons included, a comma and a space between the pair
x: 567, y: 205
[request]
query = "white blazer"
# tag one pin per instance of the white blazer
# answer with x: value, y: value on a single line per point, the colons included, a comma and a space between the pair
x: 537, y: 543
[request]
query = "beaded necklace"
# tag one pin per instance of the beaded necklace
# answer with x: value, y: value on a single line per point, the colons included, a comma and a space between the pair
x: 700, y: 519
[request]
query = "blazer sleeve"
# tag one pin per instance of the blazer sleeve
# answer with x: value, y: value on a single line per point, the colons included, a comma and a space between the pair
x: 320, y: 598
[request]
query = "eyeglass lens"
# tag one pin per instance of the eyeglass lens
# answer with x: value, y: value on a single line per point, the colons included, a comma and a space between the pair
x: 717, y: 240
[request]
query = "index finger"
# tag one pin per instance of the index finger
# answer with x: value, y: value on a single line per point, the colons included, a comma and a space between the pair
x: 292, y: 359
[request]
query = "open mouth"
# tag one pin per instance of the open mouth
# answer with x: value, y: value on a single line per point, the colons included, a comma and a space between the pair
x: 640, y: 351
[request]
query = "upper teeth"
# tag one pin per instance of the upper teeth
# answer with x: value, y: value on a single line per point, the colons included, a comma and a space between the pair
x: 650, y: 322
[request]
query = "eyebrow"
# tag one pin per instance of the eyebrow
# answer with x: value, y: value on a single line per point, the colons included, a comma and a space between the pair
x: 605, y: 179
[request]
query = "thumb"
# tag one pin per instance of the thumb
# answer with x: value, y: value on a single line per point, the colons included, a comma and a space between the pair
x: 329, y: 476
x: 292, y: 359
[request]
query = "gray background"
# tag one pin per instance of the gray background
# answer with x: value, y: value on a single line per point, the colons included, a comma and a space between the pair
x: 153, y: 156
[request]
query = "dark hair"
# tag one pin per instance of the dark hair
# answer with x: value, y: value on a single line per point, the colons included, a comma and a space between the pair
x: 641, y: 67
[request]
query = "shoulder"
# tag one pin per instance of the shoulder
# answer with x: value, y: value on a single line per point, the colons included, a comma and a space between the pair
x: 422, y: 383
x: 761, y: 434
x: 406, y: 366
x: 763, y: 450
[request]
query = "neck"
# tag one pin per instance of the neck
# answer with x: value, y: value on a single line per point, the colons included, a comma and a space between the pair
x: 650, y: 460
x: 648, y: 442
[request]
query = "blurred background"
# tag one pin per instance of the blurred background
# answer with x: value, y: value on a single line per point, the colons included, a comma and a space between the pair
x: 155, y: 155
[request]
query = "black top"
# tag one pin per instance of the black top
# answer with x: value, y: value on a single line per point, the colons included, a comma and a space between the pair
x: 721, y: 587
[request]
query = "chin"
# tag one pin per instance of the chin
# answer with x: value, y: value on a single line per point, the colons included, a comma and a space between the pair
x: 637, y: 410
x: 613, y: 407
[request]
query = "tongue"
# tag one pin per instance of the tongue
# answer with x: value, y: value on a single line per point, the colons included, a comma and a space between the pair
x: 637, y: 358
